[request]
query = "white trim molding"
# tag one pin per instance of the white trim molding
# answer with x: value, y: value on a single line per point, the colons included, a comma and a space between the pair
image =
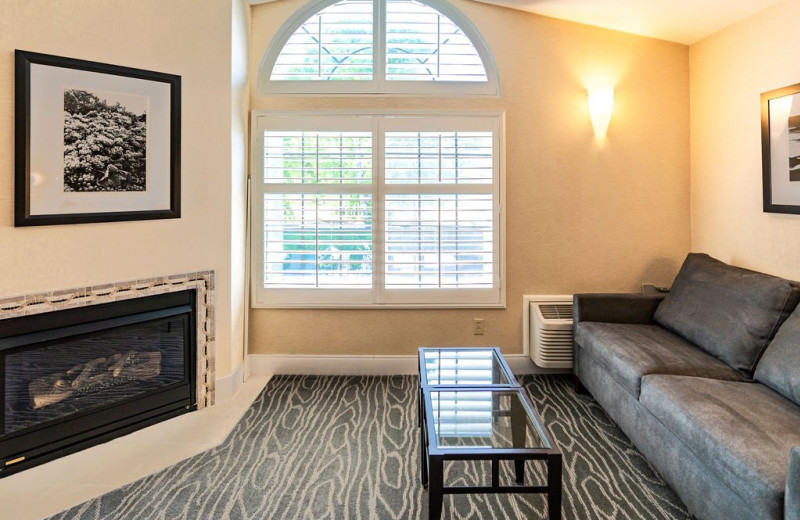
x: 228, y: 386
x: 277, y: 364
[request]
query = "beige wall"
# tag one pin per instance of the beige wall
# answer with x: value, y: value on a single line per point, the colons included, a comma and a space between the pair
x: 191, y: 38
x: 728, y: 72
x: 580, y: 217
x: 240, y: 108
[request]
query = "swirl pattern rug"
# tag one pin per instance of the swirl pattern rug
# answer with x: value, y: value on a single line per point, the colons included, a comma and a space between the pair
x: 316, y: 448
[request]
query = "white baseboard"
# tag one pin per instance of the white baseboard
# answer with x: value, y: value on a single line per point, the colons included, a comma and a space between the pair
x: 228, y: 386
x: 274, y: 364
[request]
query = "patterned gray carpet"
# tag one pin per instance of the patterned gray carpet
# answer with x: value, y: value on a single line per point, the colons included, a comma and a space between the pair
x: 344, y: 448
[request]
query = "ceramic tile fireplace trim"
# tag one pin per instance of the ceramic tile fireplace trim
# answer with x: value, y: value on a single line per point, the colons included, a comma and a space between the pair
x: 202, y: 282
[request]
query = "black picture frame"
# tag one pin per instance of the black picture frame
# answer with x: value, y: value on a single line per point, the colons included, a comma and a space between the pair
x: 132, y: 116
x: 780, y: 149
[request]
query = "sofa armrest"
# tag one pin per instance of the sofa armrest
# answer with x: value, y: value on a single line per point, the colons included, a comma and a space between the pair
x: 616, y: 307
x: 792, y: 506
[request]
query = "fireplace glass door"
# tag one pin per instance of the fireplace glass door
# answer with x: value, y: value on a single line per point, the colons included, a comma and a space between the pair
x: 92, y: 370
x: 75, y: 378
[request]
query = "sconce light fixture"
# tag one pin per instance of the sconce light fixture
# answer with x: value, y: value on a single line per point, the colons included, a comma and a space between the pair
x: 601, y: 103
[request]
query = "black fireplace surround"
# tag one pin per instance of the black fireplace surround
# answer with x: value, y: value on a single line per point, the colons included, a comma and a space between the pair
x: 74, y: 378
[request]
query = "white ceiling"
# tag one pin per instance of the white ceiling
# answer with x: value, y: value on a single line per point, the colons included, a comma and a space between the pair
x: 682, y: 21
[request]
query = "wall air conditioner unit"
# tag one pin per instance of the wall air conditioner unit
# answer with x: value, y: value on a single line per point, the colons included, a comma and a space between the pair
x: 547, y: 330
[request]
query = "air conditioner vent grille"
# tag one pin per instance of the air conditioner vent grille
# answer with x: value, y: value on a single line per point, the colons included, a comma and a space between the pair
x: 556, y: 311
x: 548, y: 330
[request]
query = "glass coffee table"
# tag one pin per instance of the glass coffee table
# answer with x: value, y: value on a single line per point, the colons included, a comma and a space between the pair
x: 472, y: 408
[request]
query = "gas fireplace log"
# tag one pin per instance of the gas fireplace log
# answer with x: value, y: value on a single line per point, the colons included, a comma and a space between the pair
x: 94, y: 376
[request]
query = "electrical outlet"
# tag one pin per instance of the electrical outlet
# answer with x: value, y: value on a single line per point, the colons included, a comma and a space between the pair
x: 477, y: 327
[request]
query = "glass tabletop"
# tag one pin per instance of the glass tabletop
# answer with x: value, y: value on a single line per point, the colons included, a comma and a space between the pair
x: 484, y: 419
x: 464, y: 367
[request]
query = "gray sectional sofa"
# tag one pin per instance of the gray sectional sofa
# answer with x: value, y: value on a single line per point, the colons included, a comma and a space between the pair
x: 706, y: 383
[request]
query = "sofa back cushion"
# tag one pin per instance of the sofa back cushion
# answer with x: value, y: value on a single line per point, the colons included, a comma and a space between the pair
x: 779, y: 368
x: 730, y: 312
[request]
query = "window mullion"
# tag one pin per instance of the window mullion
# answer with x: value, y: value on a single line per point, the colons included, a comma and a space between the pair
x: 438, y: 45
x: 319, y: 46
x: 439, y: 239
x: 378, y: 220
x: 379, y: 45
x: 316, y: 242
x: 497, y: 215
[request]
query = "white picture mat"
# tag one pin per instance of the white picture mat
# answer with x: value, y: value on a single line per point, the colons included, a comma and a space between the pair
x: 783, y: 191
x: 47, y: 196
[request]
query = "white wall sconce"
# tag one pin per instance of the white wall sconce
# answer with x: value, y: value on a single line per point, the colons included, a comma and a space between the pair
x: 601, y: 104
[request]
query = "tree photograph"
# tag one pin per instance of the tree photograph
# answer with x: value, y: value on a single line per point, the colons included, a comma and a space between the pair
x: 794, y: 148
x: 105, y: 141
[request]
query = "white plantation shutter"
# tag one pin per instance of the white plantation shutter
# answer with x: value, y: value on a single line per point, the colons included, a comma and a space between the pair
x: 441, y: 211
x: 423, y: 44
x: 439, y: 241
x: 317, y: 241
x: 368, y: 211
x: 317, y: 157
x: 380, y: 47
x: 335, y: 43
x: 439, y: 157
x: 316, y: 212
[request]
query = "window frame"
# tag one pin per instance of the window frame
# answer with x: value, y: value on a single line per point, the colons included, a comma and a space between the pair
x: 378, y: 85
x: 379, y: 297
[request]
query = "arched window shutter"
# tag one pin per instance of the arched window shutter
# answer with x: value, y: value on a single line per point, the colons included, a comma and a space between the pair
x: 378, y: 47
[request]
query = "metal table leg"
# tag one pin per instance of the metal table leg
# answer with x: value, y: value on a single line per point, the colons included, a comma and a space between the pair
x: 518, y: 432
x: 554, y: 488
x: 435, y: 495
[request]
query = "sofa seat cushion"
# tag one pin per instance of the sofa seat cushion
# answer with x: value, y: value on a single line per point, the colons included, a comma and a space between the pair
x: 730, y: 312
x: 779, y: 369
x: 628, y: 352
x: 742, y: 431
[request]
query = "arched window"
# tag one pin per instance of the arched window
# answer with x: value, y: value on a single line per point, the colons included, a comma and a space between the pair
x: 378, y: 46
x: 378, y: 209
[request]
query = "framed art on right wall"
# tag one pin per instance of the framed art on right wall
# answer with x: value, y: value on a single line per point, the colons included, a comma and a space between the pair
x: 780, y: 149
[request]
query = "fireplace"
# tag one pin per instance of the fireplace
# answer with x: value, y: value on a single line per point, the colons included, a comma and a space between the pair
x: 73, y: 378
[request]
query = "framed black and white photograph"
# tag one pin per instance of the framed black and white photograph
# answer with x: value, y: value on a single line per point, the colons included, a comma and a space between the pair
x: 94, y: 142
x: 780, y: 149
